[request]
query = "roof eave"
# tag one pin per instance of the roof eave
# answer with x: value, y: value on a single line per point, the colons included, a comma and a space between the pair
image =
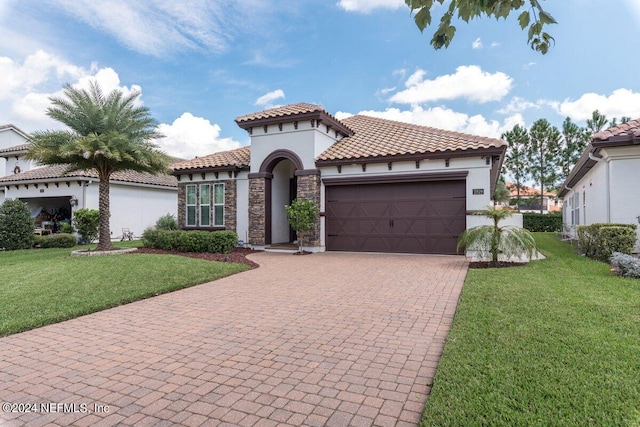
x: 584, y: 165
x: 491, y: 151
x: 322, y: 116
x: 226, y: 168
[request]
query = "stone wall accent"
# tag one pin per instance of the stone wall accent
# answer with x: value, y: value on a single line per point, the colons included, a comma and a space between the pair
x: 182, y: 204
x: 230, y: 204
x: 309, y: 188
x: 257, y: 211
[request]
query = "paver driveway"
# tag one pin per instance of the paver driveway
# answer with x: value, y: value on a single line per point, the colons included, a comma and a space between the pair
x: 330, y: 339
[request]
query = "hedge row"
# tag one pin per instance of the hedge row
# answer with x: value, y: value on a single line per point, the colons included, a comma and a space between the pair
x: 599, y: 241
x: 536, y: 222
x: 190, y: 241
x: 60, y: 240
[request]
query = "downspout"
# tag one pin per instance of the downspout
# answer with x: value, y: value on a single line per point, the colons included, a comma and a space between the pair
x: 608, y: 185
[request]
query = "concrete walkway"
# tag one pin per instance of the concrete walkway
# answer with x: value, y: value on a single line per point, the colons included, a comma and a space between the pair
x: 331, y: 339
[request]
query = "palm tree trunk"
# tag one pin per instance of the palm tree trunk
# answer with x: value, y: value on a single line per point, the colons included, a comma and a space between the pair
x: 104, y: 239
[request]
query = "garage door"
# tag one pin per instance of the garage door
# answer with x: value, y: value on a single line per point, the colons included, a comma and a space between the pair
x: 416, y: 217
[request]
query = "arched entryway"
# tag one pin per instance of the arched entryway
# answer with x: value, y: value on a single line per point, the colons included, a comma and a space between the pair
x: 275, y: 186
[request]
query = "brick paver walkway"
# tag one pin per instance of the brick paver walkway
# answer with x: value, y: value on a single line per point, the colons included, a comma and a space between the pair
x: 329, y: 339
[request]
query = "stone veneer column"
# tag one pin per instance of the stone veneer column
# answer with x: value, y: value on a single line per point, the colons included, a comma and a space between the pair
x: 230, y: 204
x: 309, y: 188
x: 257, y: 210
x: 182, y: 202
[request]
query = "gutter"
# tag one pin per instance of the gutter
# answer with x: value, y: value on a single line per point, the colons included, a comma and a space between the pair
x: 607, y: 184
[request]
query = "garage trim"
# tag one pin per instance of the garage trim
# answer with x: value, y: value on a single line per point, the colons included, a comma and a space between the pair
x: 384, y: 179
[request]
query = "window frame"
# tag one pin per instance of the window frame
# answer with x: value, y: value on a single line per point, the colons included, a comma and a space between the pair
x: 218, y: 205
x: 193, y: 205
x: 205, y: 191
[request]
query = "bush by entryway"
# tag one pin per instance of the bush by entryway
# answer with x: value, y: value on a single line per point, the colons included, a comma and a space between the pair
x: 223, y: 241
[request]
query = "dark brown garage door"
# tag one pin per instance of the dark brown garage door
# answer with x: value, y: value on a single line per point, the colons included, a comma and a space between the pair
x: 417, y: 217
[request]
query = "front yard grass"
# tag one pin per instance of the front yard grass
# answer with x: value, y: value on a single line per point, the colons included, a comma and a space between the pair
x: 43, y: 286
x: 556, y: 342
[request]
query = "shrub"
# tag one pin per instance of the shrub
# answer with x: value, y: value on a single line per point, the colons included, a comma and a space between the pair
x: 536, y: 222
x: 86, y: 222
x: 61, y: 240
x: 66, y: 228
x: 625, y: 265
x: 16, y: 225
x: 167, y: 222
x: 302, y: 215
x: 600, y: 240
x: 190, y: 241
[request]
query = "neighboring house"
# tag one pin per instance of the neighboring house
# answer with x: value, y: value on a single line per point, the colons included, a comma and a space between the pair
x: 13, y: 145
x: 530, y: 199
x: 603, y: 185
x: 381, y: 185
x: 137, y: 200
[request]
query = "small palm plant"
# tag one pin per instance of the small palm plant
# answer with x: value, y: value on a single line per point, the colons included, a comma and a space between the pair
x: 493, y: 240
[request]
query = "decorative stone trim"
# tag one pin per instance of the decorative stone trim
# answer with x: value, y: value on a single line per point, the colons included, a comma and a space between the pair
x: 230, y: 204
x: 257, y: 211
x: 309, y: 188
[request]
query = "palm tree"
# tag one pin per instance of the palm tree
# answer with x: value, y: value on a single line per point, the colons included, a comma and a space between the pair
x: 106, y: 133
x: 494, y: 240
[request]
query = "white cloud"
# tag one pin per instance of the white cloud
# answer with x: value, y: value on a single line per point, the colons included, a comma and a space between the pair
x: 36, y: 69
x: 621, y: 102
x: 159, y: 27
x: 190, y: 136
x: 445, y: 118
x: 634, y: 5
x: 366, y: 6
x: 517, y: 105
x: 468, y: 82
x: 29, y: 83
x: 267, y: 99
x: 477, y: 44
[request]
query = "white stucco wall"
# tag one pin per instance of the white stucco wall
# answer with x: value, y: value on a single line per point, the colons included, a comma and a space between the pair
x: 282, y: 173
x: 132, y: 206
x: 135, y: 207
x: 306, y: 142
x: 610, y: 188
x: 10, y: 138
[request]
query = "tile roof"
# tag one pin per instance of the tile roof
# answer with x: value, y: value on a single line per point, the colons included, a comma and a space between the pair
x: 631, y: 129
x: 21, y: 147
x: 284, y: 111
x: 527, y: 191
x: 238, y: 158
x: 57, y: 171
x: 292, y: 112
x: 376, y: 137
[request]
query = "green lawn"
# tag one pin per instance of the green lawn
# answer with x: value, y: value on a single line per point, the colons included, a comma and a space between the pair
x: 43, y: 286
x: 556, y: 342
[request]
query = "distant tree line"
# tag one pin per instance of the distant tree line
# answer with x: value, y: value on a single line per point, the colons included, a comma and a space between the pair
x: 545, y: 154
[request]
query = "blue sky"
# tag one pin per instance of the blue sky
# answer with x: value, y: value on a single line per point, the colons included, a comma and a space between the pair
x: 200, y: 64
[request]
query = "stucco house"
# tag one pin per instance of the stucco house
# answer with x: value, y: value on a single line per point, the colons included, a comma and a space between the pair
x: 137, y: 200
x: 381, y: 185
x: 530, y: 199
x: 603, y: 185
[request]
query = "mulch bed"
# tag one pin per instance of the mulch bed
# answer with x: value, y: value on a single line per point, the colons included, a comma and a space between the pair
x: 500, y: 264
x: 239, y: 255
